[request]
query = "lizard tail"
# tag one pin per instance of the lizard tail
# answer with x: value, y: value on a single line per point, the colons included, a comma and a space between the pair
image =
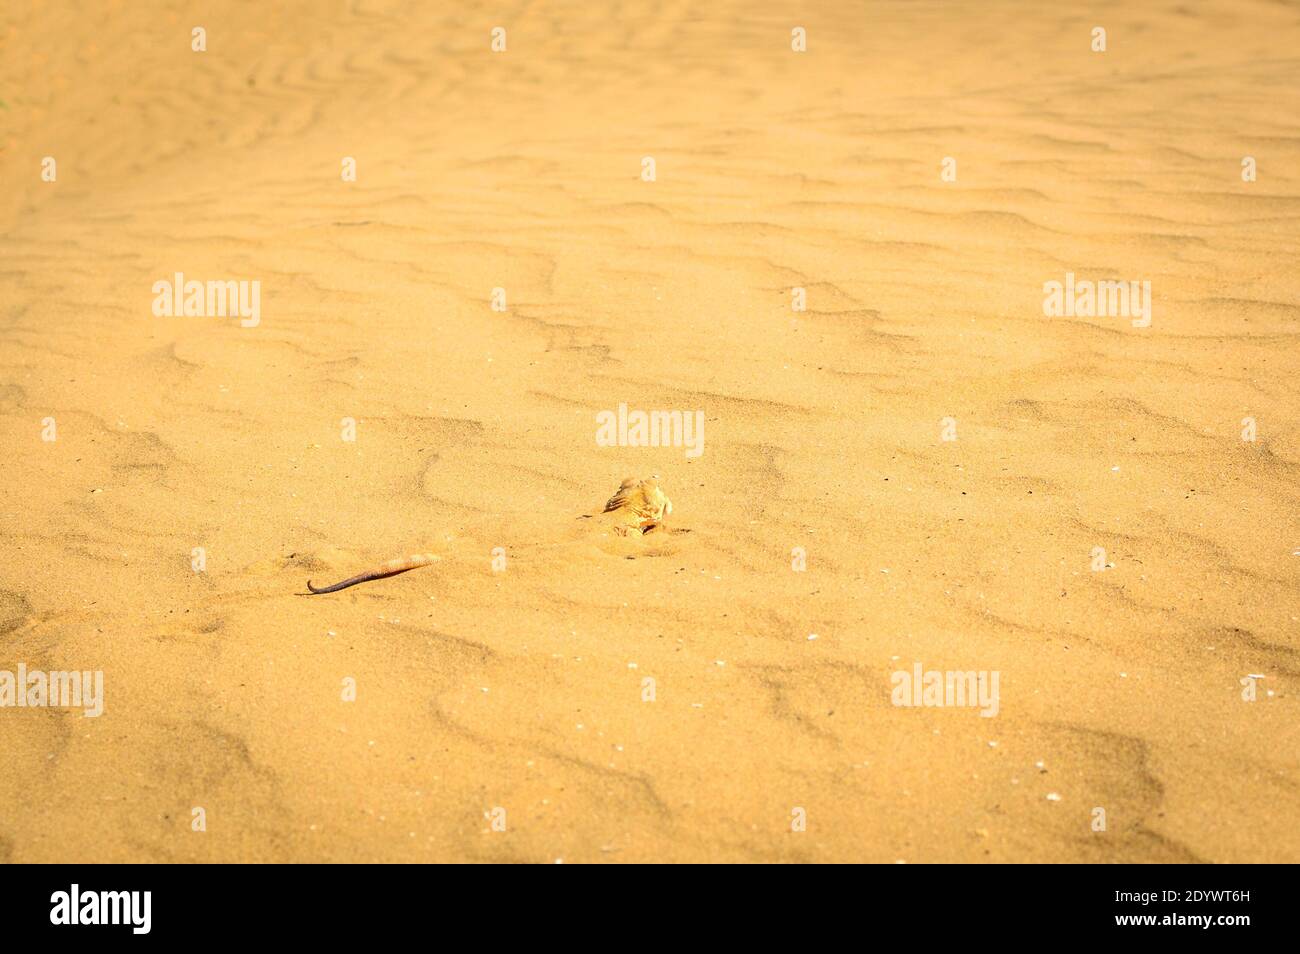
x: 391, y: 568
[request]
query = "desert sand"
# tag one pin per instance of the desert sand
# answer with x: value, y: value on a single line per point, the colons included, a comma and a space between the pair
x: 514, y: 696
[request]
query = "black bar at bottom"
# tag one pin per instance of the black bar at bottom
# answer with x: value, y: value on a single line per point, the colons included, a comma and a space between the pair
x: 332, y: 904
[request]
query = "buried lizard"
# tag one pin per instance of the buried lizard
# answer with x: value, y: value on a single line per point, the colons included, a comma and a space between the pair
x: 639, y: 506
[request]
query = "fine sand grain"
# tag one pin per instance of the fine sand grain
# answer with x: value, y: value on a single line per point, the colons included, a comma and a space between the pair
x: 522, y: 687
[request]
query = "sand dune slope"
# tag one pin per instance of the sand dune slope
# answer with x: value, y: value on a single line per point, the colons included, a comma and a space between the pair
x: 518, y: 692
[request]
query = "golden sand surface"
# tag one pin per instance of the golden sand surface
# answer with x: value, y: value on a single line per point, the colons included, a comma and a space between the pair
x: 515, y: 697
